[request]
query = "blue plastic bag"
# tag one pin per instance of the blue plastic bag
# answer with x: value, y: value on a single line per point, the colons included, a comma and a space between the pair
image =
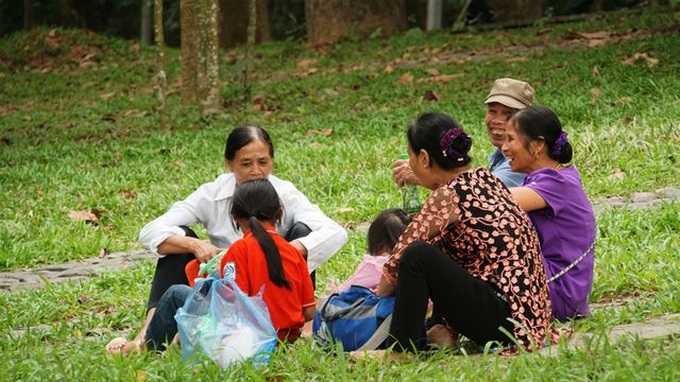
x: 357, y: 318
x: 225, y: 324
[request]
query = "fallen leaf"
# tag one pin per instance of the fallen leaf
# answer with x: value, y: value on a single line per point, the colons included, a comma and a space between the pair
x: 595, y: 92
x: 596, y: 72
x: 83, y: 299
x: 103, y: 252
x: 86, y: 216
x: 632, y: 60
x: 109, y: 117
x: 306, y: 63
x: 345, y: 209
x: 128, y: 194
x: 325, y: 132
x: 406, y: 78
x: 258, y: 104
x: 107, y: 96
x: 430, y: 96
x: 432, y: 71
x: 617, y: 174
x: 389, y: 69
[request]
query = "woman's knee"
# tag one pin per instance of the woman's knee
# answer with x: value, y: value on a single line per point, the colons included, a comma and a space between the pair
x: 178, y: 294
x: 416, y: 252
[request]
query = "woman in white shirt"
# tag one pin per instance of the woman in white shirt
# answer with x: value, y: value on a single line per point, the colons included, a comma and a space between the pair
x: 249, y: 154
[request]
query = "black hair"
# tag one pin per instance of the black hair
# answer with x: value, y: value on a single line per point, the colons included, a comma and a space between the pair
x: 539, y: 122
x: 244, y: 135
x: 386, y: 229
x: 426, y: 134
x: 257, y: 201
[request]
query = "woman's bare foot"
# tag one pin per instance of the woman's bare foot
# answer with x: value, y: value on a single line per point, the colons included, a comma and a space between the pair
x: 116, y: 345
x: 136, y: 345
x: 441, y: 336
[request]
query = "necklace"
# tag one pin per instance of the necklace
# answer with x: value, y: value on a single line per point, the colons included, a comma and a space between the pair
x: 559, y: 166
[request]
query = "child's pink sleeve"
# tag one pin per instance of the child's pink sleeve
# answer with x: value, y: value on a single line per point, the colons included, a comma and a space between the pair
x: 367, y: 274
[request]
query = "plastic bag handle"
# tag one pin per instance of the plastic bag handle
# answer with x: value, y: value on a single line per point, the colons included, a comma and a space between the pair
x: 246, y: 298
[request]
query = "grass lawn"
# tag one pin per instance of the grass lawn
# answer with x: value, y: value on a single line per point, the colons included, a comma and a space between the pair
x: 79, y: 133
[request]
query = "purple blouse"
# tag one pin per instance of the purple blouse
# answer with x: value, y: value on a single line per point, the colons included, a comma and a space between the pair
x: 566, y: 230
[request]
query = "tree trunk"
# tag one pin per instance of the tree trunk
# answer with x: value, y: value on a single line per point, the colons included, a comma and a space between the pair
x: 199, y: 52
x: 208, y: 73
x: 160, y: 65
x: 146, y: 23
x: 330, y: 20
x: 252, y: 31
x: 28, y: 14
x: 234, y: 22
x: 516, y: 10
x: 188, y: 51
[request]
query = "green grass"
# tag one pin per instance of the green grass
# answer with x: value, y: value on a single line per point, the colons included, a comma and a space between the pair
x: 76, y: 137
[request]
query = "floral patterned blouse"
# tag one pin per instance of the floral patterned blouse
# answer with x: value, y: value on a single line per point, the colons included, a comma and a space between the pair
x: 475, y: 220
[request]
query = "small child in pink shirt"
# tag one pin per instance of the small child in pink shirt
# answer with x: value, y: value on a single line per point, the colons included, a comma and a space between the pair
x: 383, y: 235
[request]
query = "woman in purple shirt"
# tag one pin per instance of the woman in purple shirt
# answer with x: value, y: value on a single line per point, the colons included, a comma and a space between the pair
x: 557, y: 205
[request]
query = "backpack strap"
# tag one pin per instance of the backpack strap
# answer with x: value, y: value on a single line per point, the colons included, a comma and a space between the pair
x: 379, y: 336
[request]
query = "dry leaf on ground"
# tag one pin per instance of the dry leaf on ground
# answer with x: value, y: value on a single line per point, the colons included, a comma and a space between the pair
x: 632, y: 60
x: 617, y: 174
x: 86, y: 216
x: 406, y: 78
x: 306, y: 63
x: 430, y: 95
x: 325, y: 132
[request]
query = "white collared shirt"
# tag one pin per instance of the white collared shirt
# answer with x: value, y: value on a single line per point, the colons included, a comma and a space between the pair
x: 210, y: 205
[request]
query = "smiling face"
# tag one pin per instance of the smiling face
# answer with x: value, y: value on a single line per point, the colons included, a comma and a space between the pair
x: 517, y: 150
x: 496, y: 119
x: 251, y: 161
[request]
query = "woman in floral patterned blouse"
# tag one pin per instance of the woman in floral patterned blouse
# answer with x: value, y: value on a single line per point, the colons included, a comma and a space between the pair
x: 471, y: 250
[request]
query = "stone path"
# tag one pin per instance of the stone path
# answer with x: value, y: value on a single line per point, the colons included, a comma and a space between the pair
x: 654, y: 328
x: 78, y: 270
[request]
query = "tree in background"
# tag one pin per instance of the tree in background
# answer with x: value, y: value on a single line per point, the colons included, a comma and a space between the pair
x: 330, y: 20
x: 235, y: 16
x: 161, y: 78
x: 516, y: 10
x: 199, y: 53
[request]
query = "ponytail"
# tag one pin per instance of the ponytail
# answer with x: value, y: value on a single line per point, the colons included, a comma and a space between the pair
x: 257, y: 201
x: 271, y: 253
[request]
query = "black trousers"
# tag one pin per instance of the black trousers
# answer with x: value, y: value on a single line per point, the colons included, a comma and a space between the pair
x: 470, y: 306
x: 170, y: 269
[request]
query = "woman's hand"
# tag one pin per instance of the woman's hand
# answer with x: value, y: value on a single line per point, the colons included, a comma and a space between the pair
x: 203, y: 250
x: 403, y: 173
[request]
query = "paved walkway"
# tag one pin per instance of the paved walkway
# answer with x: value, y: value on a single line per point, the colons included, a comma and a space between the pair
x: 78, y: 270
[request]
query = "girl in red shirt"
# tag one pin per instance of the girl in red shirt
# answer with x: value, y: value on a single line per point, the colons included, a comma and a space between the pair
x: 262, y: 258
